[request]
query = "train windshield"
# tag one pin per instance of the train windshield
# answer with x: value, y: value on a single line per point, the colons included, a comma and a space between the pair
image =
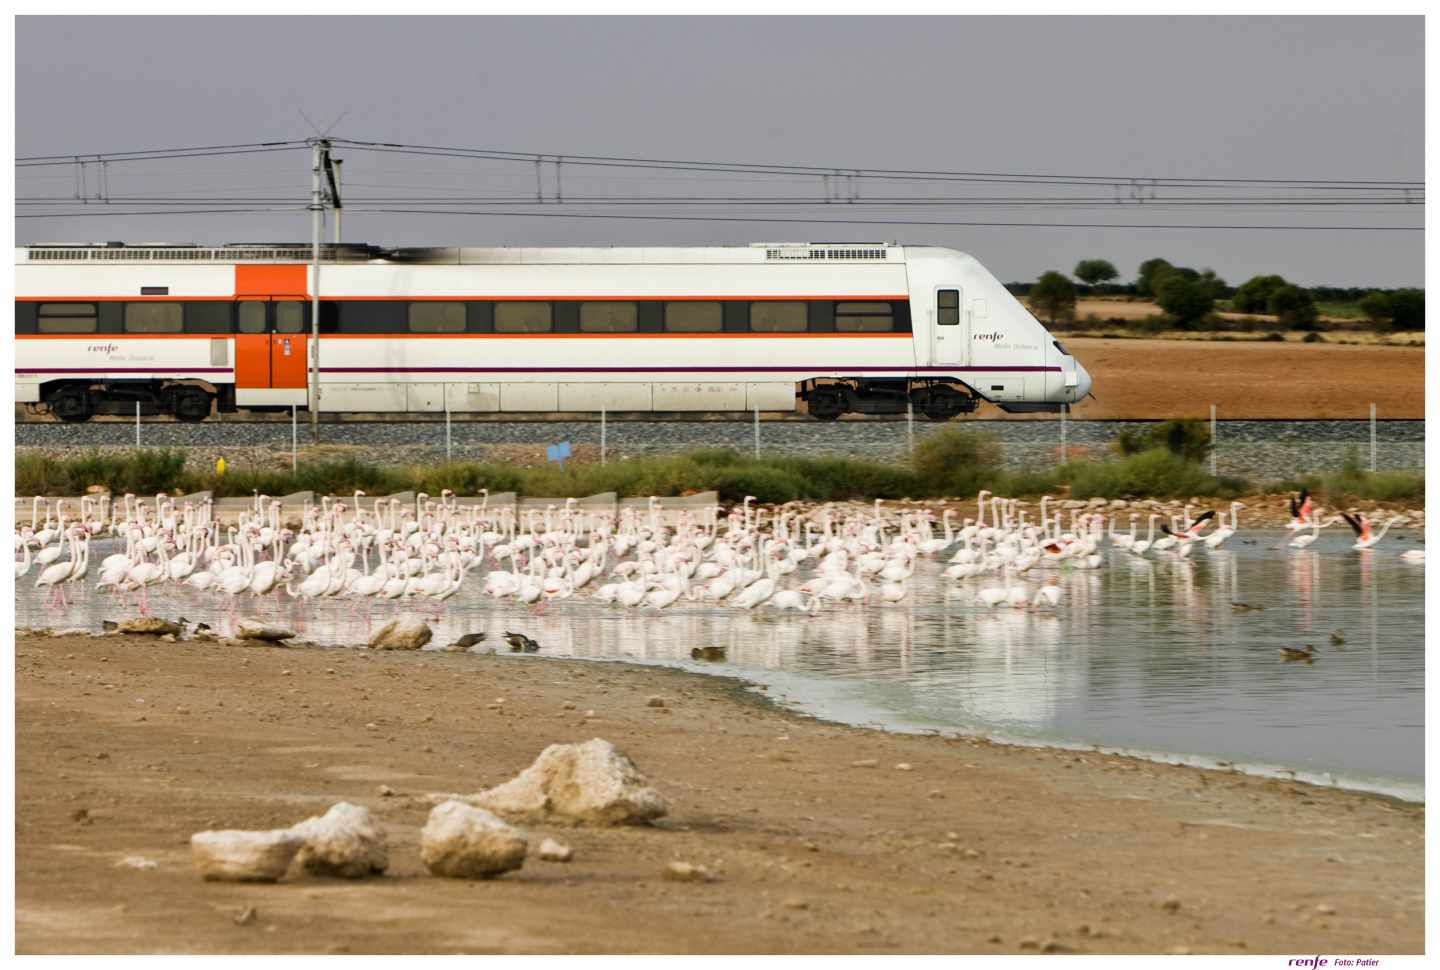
x: 1063, y: 351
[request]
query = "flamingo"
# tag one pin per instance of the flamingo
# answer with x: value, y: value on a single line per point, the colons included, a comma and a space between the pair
x: 1361, y: 525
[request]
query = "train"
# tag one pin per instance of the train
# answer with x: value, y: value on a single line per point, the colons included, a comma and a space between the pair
x: 833, y: 328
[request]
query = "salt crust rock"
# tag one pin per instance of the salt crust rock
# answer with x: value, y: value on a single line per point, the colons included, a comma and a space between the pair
x: 464, y: 842
x: 407, y: 633
x: 591, y: 783
x: 149, y: 624
x: 251, y: 629
x: 235, y: 856
x: 345, y: 841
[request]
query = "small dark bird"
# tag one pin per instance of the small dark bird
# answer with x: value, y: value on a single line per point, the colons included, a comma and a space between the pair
x: 469, y: 639
x: 1337, y: 638
x: 1307, y: 654
x: 520, y: 643
x: 1244, y: 607
x: 707, y: 653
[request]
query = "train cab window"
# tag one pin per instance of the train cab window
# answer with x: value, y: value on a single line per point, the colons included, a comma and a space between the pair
x: 289, y: 316
x: 608, y: 317
x: 864, y: 317
x: 154, y: 317
x: 66, y: 318
x: 692, y: 316
x: 524, y: 317
x: 250, y: 317
x: 1063, y: 351
x: 437, y: 317
x: 947, y: 307
x: 779, y: 316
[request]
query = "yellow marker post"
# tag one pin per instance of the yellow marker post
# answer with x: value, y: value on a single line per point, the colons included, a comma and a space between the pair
x: 220, y: 468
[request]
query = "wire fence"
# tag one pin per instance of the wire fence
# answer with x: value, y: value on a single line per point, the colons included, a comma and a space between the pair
x: 1257, y: 450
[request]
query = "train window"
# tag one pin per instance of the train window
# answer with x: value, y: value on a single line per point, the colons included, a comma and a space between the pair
x: 66, y: 318
x: 776, y: 316
x: 289, y: 316
x: 947, y: 307
x: 154, y: 318
x: 864, y: 317
x: 1063, y: 351
x: 524, y: 317
x: 437, y: 317
x: 251, y: 317
x: 208, y: 317
x: 608, y: 317
x: 694, y: 315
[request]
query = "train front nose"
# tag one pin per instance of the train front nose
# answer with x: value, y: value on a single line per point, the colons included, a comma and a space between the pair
x: 1082, y: 385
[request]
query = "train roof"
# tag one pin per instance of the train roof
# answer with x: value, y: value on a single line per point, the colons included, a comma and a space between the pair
x: 121, y: 252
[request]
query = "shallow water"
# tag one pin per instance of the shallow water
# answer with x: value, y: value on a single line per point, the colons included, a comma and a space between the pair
x: 1145, y: 656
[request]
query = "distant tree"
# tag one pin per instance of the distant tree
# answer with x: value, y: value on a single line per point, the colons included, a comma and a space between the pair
x: 1092, y: 271
x: 1187, y: 301
x: 1377, y: 308
x: 1293, y: 306
x: 1053, y: 297
x: 1253, y: 296
x: 1214, y: 284
x: 1407, y: 309
x: 1147, y: 281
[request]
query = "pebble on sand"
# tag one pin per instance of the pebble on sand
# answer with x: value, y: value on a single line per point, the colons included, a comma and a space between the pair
x: 464, y: 842
x: 552, y: 851
x: 345, y: 841
x: 237, y: 856
x: 688, y: 872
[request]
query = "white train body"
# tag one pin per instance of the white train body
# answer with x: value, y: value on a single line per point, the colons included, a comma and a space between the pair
x: 845, y: 327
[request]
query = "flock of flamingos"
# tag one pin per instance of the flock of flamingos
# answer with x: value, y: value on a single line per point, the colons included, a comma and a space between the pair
x: 746, y: 559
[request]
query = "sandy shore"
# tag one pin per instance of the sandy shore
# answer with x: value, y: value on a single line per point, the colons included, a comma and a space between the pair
x: 125, y: 746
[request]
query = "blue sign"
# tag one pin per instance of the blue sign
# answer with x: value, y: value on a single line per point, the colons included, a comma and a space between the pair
x: 558, y: 452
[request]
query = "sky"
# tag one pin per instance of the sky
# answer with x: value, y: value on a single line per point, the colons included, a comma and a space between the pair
x: 1188, y: 97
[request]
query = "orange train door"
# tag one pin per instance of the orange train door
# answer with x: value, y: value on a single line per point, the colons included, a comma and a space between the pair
x: 271, y: 343
x: 289, y: 366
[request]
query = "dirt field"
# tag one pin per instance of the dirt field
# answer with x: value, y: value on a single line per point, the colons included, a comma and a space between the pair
x: 1182, y: 378
x: 126, y: 746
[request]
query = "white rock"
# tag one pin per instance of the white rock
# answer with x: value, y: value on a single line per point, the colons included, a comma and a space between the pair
x: 592, y: 782
x: 236, y: 856
x: 464, y: 842
x: 345, y: 841
x: 552, y: 851
x: 73, y: 631
x: 407, y: 633
x: 252, y: 629
x: 688, y: 872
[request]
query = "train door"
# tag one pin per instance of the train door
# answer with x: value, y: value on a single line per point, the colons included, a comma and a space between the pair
x: 949, y: 337
x: 270, y: 347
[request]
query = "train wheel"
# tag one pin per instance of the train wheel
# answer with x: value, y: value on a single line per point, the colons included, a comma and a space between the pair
x: 942, y: 404
x: 826, y: 404
x: 192, y: 404
x: 72, y: 404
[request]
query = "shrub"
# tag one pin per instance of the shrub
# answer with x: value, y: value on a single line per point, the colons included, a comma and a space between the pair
x: 1158, y: 472
x: 1313, y: 338
x: 939, y: 455
x: 1190, y: 440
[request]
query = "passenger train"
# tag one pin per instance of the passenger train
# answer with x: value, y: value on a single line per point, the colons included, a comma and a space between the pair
x: 868, y: 328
